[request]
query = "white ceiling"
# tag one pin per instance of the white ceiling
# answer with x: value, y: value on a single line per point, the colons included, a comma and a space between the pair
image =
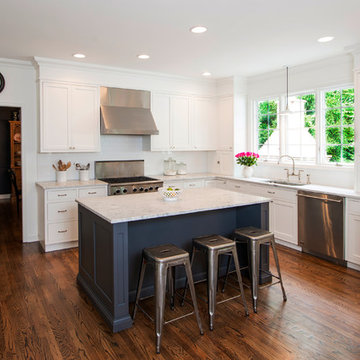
x: 244, y: 37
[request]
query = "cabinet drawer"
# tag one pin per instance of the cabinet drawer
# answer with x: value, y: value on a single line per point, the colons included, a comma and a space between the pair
x: 89, y: 192
x: 62, y: 195
x: 192, y: 184
x: 63, y: 232
x: 239, y: 186
x: 279, y: 194
x: 353, y: 206
x: 62, y: 211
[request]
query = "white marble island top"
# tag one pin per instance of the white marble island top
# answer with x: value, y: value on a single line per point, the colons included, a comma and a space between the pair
x: 117, y: 209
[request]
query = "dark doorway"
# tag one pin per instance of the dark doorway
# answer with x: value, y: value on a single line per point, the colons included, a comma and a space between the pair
x: 10, y: 154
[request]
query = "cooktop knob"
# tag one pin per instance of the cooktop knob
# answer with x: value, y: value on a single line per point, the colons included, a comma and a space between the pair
x: 135, y: 190
x: 146, y: 190
x: 156, y: 188
x: 141, y: 189
x: 118, y: 191
x: 151, y: 188
x: 124, y: 191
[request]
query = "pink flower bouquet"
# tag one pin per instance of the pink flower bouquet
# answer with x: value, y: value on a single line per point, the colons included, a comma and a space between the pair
x: 247, y: 158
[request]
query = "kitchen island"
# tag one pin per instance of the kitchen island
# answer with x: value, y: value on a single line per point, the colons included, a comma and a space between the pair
x: 113, y: 231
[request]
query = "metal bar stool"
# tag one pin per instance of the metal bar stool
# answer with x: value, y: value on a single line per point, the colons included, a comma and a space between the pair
x: 165, y: 258
x: 255, y: 237
x: 213, y: 246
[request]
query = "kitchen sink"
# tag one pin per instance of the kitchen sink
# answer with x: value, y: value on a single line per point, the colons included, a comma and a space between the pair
x: 284, y: 182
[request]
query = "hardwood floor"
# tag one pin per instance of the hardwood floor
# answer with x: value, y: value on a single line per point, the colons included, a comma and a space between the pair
x: 44, y: 314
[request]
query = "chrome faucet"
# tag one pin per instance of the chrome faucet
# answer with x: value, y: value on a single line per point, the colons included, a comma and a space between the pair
x: 293, y: 173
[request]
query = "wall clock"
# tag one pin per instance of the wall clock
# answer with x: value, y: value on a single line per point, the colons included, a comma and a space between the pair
x: 2, y: 82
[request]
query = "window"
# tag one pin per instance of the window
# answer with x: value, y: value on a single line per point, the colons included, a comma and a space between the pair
x: 268, y: 131
x: 319, y: 129
x: 299, y: 124
x: 339, y: 125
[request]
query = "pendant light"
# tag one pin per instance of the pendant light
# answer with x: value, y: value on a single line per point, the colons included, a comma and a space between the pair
x: 286, y: 111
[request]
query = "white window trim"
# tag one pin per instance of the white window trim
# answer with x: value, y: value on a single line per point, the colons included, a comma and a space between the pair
x: 319, y: 128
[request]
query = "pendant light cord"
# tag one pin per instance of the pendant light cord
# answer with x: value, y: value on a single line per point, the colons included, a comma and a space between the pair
x: 287, y: 88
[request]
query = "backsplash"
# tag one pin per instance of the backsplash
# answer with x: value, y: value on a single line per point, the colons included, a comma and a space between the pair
x: 115, y: 147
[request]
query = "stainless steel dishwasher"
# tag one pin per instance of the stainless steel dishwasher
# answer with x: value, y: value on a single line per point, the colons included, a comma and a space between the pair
x: 321, y: 225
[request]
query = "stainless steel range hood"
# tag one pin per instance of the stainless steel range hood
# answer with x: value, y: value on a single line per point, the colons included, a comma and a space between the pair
x: 126, y: 112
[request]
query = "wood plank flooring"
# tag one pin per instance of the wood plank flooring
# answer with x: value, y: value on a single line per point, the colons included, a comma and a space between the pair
x: 45, y: 315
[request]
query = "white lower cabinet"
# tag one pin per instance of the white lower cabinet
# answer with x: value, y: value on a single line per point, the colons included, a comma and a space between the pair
x: 59, y: 215
x: 352, y: 238
x: 283, y: 208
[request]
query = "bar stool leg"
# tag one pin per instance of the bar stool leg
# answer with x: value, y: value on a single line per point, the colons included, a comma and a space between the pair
x: 272, y: 241
x: 192, y: 292
x: 238, y: 272
x: 213, y: 259
x: 140, y: 282
x: 227, y: 272
x: 187, y: 279
x: 160, y: 291
x: 254, y: 248
x: 171, y: 284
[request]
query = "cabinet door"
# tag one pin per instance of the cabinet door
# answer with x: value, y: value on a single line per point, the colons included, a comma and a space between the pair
x: 180, y: 123
x: 283, y: 221
x: 353, y: 239
x: 204, y: 124
x: 54, y: 117
x: 225, y: 124
x: 160, y: 108
x: 85, y: 119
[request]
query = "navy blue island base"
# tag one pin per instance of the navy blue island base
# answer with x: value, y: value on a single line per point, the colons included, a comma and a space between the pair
x: 110, y: 254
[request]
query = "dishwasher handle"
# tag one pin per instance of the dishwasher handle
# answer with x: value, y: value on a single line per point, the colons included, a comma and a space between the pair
x: 319, y: 198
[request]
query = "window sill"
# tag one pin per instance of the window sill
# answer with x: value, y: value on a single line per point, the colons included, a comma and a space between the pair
x: 300, y: 165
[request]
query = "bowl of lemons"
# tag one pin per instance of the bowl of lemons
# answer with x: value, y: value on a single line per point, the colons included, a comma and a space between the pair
x: 170, y: 193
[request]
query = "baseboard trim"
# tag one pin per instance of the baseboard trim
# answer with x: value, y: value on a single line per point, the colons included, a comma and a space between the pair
x: 353, y: 266
x: 289, y: 245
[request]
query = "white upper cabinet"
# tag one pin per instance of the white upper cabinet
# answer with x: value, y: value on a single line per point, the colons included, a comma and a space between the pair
x: 225, y: 124
x: 160, y: 108
x: 184, y: 123
x: 69, y: 118
x: 180, y: 123
x: 84, y: 124
x: 204, y: 124
x: 55, y: 109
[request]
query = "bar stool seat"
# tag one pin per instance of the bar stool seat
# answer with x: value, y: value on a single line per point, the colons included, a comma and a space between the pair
x: 213, y: 246
x: 165, y: 258
x: 255, y: 237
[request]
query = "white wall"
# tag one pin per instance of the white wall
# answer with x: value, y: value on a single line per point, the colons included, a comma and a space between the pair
x: 317, y: 75
x: 20, y: 90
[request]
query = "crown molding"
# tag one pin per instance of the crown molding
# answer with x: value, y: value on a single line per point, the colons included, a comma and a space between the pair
x: 40, y: 61
x: 16, y: 63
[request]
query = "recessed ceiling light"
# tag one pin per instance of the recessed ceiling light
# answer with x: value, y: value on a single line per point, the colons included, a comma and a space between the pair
x: 79, y: 56
x: 198, y: 29
x: 206, y: 73
x: 326, y: 39
x: 143, y: 56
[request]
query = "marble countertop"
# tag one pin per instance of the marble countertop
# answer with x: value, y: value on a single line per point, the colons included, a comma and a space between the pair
x: 331, y: 190
x: 116, y: 209
x: 46, y: 185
